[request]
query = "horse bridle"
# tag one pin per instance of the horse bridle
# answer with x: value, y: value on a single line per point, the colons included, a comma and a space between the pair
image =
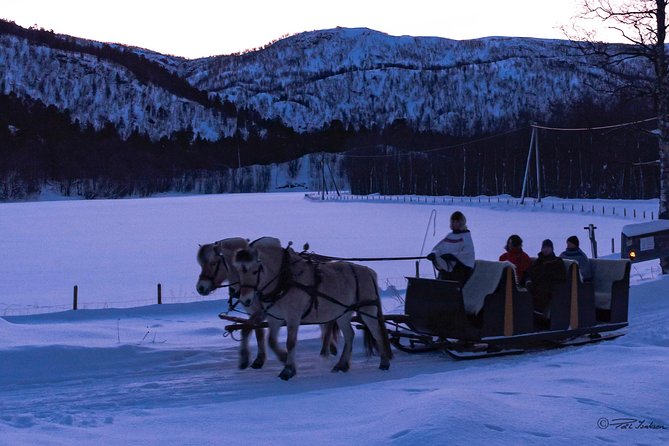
x: 221, y: 261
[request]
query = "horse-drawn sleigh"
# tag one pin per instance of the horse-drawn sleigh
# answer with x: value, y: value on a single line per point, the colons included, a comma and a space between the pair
x: 489, y: 316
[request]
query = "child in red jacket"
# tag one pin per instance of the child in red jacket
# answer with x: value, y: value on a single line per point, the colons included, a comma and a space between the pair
x: 515, y: 254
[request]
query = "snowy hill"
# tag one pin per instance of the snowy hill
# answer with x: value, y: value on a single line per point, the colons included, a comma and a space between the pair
x: 366, y: 78
x: 360, y: 77
x: 97, y: 92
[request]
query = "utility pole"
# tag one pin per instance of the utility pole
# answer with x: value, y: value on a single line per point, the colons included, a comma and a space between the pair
x: 536, y: 155
x: 534, y: 146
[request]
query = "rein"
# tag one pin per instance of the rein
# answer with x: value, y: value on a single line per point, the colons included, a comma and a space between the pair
x: 312, y: 256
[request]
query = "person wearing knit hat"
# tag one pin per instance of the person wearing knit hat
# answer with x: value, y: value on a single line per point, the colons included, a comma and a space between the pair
x: 573, y: 252
x: 546, y: 270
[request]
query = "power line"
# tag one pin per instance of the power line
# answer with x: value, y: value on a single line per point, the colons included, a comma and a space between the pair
x: 486, y: 138
x: 434, y: 149
x: 497, y: 135
x: 585, y: 129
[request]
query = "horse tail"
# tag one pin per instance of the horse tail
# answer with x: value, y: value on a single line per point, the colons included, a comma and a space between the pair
x: 369, y: 342
x: 381, y: 320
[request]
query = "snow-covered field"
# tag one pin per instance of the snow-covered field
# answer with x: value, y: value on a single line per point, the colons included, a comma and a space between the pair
x: 117, y: 251
x: 166, y: 375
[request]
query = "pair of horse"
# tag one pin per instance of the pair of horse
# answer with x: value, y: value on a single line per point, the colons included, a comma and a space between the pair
x: 283, y: 287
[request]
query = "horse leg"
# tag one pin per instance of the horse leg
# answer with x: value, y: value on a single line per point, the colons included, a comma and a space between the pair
x: 329, y: 334
x: 289, y: 369
x: 344, y: 362
x: 325, y: 338
x: 244, y: 349
x: 262, y: 350
x: 334, y: 336
x: 274, y: 326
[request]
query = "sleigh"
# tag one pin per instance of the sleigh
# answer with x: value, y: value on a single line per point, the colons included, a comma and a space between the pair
x: 492, y: 316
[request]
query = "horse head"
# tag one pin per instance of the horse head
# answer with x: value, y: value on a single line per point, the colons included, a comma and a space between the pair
x: 214, y: 259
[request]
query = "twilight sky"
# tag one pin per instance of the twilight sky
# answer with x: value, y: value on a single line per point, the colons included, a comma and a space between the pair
x: 197, y: 28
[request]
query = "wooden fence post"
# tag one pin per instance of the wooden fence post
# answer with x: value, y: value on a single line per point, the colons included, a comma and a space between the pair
x: 160, y: 294
x: 76, y: 293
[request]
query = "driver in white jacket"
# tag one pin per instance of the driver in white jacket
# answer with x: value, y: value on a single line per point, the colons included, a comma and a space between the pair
x: 454, y: 255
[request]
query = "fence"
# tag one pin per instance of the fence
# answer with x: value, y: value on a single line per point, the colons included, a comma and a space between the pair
x: 23, y: 310
x: 390, y: 286
x: 553, y: 205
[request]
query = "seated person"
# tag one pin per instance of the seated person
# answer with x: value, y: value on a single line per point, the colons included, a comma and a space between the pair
x: 515, y: 254
x: 546, y: 270
x: 573, y: 252
x: 454, y: 255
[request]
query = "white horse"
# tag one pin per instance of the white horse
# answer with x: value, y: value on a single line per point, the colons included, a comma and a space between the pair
x: 215, y: 259
x: 293, y: 290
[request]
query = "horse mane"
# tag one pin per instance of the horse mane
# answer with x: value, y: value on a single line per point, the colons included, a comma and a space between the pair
x: 232, y: 243
x: 200, y: 252
x: 266, y: 241
x: 243, y: 255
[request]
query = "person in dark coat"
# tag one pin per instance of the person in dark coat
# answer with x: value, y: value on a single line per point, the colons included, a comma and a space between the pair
x: 546, y: 270
x: 515, y: 254
x: 573, y: 252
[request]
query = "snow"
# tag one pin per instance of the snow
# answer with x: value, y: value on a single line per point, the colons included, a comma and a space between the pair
x: 645, y: 228
x: 164, y: 374
x: 117, y: 251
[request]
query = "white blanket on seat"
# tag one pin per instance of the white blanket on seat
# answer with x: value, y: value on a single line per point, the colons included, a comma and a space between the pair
x: 484, y: 280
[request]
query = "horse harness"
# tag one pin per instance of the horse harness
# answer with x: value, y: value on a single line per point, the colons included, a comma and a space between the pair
x: 285, y: 282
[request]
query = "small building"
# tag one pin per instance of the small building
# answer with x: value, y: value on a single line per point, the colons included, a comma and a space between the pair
x: 646, y: 241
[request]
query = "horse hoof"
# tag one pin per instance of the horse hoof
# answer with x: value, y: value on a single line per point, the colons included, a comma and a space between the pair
x: 287, y: 373
x: 385, y: 365
x: 333, y: 350
x: 257, y: 364
x: 324, y: 353
x: 340, y: 368
x: 243, y: 359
